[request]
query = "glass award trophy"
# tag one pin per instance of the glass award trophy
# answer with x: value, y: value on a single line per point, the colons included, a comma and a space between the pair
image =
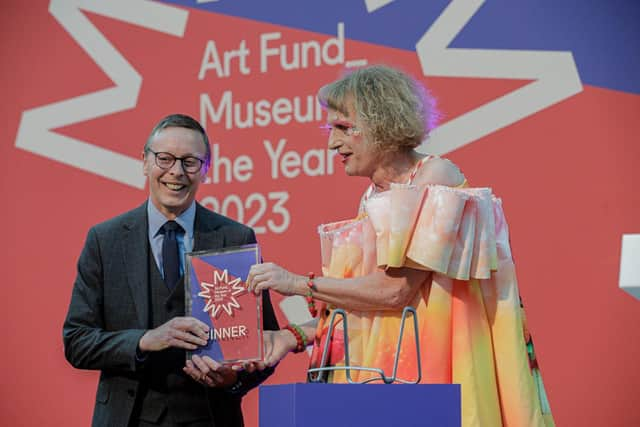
x: 216, y: 294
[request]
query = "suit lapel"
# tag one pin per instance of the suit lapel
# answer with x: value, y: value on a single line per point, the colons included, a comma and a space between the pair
x: 136, y: 262
x: 136, y: 252
x: 206, y: 235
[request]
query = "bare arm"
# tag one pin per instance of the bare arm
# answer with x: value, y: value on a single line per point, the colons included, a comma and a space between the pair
x: 392, y: 289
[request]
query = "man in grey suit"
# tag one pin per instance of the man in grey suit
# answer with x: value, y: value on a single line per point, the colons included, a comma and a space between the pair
x: 126, y: 317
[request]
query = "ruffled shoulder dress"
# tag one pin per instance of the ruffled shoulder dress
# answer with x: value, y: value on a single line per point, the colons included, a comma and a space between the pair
x: 471, y: 325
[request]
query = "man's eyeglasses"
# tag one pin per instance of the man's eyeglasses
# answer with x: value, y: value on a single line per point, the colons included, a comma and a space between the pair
x: 190, y: 164
x: 346, y: 130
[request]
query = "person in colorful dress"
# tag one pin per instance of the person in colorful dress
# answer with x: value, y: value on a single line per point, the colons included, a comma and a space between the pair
x: 422, y: 238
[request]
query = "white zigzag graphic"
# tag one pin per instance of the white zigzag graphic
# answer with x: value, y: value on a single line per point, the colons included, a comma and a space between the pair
x: 373, y: 5
x: 35, y: 131
x: 554, y: 73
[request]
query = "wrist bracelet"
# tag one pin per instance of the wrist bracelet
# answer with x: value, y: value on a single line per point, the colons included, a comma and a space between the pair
x: 311, y: 304
x: 301, y: 338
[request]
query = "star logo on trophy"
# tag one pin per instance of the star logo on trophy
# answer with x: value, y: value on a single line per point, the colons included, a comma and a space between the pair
x: 220, y: 296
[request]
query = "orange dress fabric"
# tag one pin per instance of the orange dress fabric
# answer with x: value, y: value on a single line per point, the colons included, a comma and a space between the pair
x: 471, y: 325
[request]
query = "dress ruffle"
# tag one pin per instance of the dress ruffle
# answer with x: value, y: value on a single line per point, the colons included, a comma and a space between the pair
x: 471, y: 323
x: 458, y: 232
x: 348, y: 248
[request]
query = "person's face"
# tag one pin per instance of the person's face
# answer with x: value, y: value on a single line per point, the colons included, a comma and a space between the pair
x: 359, y: 156
x: 172, y: 190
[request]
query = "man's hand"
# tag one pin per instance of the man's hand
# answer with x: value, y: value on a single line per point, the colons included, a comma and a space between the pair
x: 207, y: 371
x: 180, y: 332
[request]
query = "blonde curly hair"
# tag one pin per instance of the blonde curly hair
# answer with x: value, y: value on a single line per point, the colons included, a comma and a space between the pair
x: 397, y: 111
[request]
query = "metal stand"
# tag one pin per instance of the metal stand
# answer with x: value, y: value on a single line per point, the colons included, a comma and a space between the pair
x: 316, y: 375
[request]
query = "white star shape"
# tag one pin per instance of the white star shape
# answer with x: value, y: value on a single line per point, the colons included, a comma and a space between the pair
x: 217, y: 296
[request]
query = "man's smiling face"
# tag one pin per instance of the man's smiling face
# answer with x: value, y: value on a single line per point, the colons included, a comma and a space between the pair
x: 173, y: 190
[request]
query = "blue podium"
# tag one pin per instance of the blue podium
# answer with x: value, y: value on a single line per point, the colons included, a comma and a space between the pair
x: 353, y: 405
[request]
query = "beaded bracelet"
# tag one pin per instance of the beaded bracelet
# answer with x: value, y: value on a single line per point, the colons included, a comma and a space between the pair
x: 301, y: 338
x: 311, y: 304
x: 302, y: 335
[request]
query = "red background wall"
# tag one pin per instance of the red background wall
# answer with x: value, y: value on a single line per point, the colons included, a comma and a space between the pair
x: 566, y: 175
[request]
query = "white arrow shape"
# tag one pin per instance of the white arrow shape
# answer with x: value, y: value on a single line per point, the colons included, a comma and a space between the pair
x: 35, y: 131
x: 554, y: 74
x: 373, y: 5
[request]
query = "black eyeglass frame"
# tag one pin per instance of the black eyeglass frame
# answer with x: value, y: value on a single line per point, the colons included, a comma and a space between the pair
x: 187, y: 169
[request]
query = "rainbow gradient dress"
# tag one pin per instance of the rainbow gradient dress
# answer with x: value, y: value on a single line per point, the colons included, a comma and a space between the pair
x: 471, y: 325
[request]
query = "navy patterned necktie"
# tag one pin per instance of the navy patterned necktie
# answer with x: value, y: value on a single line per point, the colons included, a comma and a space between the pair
x: 171, y: 253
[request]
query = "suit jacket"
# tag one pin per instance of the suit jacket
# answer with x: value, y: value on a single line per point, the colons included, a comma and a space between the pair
x: 109, y: 312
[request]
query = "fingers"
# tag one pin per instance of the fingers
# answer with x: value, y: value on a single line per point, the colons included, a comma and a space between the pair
x: 200, y: 371
x: 270, y: 276
x: 268, y: 347
x: 184, y: 340
x: 187, y: 333
x: 263, y: 282
x: 197, y: 375
x: 221, y: 375
x: 208, y: 367
x: 182, y: 332
x: 268, y: 360
x: 249, y: 367
x: 277, y: 345
x: 258, y: 274
x: 256, y: 280
x: 191, y: 325
x: 211, y: 373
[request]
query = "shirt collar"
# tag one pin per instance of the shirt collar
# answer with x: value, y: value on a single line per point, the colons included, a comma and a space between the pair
x: 156, y: 219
